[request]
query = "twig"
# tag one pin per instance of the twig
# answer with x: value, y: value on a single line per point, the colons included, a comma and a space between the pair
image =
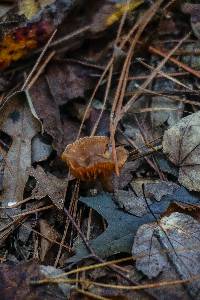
x: 80, y: 232
x: 178, y: 82
x: 150, y: 78
x: 161, y: 284
x: 120, y: 91
x: 175, y: 61
x: 34, y: 211
x: 38, y: 61
x: 73, y: 211
x: 40, y: 70
x: 90, y: 295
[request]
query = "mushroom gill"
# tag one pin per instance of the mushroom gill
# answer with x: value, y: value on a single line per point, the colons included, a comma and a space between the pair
x: 89, y: 158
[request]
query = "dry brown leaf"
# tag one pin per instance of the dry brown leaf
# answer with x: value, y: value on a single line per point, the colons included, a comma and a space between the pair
x: 63, y: 131
x: 18, y: 122
x: 67, y: 81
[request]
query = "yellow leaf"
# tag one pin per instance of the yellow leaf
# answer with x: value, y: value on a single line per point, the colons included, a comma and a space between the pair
x: 121, y: 9
x: 29, y: 8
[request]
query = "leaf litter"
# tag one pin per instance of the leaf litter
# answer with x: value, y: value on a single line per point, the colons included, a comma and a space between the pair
x: 124, y: 71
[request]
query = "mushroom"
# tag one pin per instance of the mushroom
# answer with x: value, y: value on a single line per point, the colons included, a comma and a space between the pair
x: 89, y: 158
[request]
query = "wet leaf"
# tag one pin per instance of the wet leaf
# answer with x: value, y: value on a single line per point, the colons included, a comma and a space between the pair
x: 168, y: 112
x: 49, y: 271
x: 35, y: 21
x: 18, y: 123
x: 181, y: 143
x: 166, y: 166
x: 126, y: 175
x: 17, y: 44
x: 4, y: 8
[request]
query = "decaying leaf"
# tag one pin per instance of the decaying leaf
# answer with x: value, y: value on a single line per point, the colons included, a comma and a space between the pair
x: 118, y: 237
x: 122, y: 8
x: 174, y: 243
x: 67, y: 81
x: 136, y: 204
x: 18, y: 123
x: 35, y: 21
x: 155, y: 189
x: 17, y: 44
x: 147, y: 248
x: 40, y: 149
x: 168, y: 112
x: 29, y: 8
x: 49, y: 185
x: 126, y: 175
x: 4, y: 8
x: 49, y: 271
x: 193, y: 10
x: 15, y: 282
x: 182, y: 145
x: 64, y: 131
x: 131, y: 203
x: 49, y: 232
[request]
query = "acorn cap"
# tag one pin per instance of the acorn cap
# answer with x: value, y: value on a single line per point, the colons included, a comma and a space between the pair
x: 89, y: 157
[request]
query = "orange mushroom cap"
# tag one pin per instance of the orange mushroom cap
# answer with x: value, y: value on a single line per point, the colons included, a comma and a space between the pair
x: 89, y: 157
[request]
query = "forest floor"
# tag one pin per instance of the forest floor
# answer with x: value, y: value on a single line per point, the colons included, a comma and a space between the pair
x: 99, y: 149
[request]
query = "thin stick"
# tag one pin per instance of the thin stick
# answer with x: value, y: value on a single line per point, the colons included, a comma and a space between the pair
x: 156, y: 93
x: 91, y: 295
x: 40, y: 70
x: 47, y: 238
x: 34, y: 211
x: 105, y: 100
x: 160, y: 284
x: 178, y: 82
x: 150, y: 78
x: 120, y: 91
x: 69, y: 36
x: 79, y: 232
x: 174, y: 60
